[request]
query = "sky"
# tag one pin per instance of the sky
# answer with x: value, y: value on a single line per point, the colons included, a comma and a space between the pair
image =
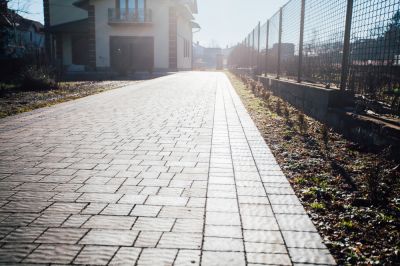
x: 33, y: 9
x: 223, y: 22
x: 227, y: 22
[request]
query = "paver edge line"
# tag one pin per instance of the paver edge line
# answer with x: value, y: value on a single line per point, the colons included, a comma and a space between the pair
x: 208, y: 176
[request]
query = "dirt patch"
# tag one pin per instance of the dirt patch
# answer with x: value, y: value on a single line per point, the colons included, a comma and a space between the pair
x: 15, y: 101
x: 351, y: 193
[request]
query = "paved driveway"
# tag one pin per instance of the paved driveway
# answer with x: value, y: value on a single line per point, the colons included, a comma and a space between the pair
x: 168, y: 171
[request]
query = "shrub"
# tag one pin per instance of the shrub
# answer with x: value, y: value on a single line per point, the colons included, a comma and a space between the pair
x: 278, y: 107
x: 266, y: 96
x: 37, y: 79
x: 286, y: 110
x: 325, y: 136
x: 253, y: 86
x: 302, y: 122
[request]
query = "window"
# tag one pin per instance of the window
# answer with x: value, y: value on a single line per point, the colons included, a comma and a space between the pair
x: 131, y: 4
x: 186, y: 48
x: 129, y: 8
x: 140, y: 7
x: 121, y: 4
x: 189, y: 48
x: 141, y: 4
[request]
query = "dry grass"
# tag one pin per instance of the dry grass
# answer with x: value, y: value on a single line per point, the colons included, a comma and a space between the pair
x: 14, y: 101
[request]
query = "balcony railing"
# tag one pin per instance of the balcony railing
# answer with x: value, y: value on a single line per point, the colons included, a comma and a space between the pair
x: 129, y: 16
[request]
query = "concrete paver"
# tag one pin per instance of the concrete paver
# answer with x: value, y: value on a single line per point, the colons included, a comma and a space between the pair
x: 171, y: 171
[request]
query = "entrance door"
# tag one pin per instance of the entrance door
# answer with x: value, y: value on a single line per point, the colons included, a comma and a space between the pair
x: 131, y: 53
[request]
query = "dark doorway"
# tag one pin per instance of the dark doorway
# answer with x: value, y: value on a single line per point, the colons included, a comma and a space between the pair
x: 80, y: 49
x: 131, y: 53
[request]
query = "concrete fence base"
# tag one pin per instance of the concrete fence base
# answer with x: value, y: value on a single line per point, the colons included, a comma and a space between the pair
x: 334, y: 108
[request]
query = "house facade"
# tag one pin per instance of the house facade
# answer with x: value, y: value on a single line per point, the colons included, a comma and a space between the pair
x: 120, y: 35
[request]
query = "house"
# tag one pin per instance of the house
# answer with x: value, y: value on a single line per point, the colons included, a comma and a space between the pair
x: 19, y: 37
x: 287, y: 50
x: 120, y: 35
x: 206, y: 57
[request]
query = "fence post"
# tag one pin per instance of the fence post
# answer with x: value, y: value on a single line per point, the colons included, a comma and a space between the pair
x: 252, y: 52
x: 346, y: 46
x: 266, y: 50
x: 258, y: 49
x: 301, y: 43
x: 278, y: 72
x: 249, y: 52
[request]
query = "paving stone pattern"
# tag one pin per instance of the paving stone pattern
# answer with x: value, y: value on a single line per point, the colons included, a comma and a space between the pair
x: 170, y: 171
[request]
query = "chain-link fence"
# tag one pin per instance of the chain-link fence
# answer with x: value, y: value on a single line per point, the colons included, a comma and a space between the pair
x: 374, y: 69
x: 273, y: 44
x: 291, y: 19
x: 324, y: 26
x: 351, y: 45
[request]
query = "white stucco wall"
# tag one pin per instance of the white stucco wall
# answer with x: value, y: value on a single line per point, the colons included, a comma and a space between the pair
x: 184, y: 32
x: 158, y: 30
x: 62, y: 11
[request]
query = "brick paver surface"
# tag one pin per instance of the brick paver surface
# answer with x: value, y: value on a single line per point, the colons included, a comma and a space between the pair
x: 170, y: 171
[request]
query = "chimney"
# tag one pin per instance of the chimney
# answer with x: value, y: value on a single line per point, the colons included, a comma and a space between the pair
x: 3, y: 6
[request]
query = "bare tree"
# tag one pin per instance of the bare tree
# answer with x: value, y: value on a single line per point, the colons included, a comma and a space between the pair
x: 11, y: 11
x: 18, y: 6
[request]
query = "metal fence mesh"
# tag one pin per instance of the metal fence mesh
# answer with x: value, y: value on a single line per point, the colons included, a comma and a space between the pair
x: 263, y: 44
x: 363, y: 57
x: 323, y: 40
x: 273, y: 45
x: 256, y: 47
x: 375, y: 49
x: 291, y: 17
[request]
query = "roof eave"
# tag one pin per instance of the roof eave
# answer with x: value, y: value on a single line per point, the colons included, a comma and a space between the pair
x: 195, y: 8
x: 83, y: 4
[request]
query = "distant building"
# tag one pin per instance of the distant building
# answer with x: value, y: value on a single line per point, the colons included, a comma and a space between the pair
x: 287, y: 50
x: 19, y: 36
x: 205, y: 58
x: 120, y: 35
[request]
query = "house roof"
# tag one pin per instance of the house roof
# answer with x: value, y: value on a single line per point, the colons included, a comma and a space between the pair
x: 84, y: 4
x: 9, y: 18
x: 4, y: 21
x: 25, y: 24
x: 195, y: 7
